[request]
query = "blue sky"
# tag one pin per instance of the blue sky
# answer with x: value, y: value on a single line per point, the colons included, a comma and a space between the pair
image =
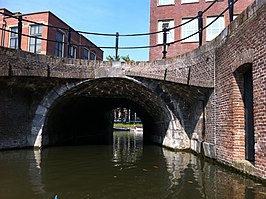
x: 105, y: 16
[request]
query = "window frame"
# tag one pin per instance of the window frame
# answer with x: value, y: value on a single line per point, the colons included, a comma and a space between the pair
x: 73, y: 51
x: 94, y: 54
x: 190, y: 1
x: 58, y: 43
x: 35, y: 41
x: 88, y: 53
x: 161, y: 2
x: 12, y: 37
x: 185, y: 28
x: 170, y: 34
x: 210, y: 37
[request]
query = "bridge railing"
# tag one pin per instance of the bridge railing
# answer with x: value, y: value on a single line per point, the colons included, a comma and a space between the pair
x: 165, y: 31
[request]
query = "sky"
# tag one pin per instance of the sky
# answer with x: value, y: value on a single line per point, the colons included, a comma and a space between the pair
x: 101, y: 16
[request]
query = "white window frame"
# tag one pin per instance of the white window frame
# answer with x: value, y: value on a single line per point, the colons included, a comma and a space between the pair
x: 189, y: 29
x: 170, y: 34
x: 13, y: 37
x: 73, y: 51
x: 165, y: 2
x: 63, y: 46
x: 190, y: 1
x: 217, y: 26
x: 39, y: 35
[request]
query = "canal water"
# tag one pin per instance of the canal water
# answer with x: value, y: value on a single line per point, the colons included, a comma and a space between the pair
x: 125, y: 170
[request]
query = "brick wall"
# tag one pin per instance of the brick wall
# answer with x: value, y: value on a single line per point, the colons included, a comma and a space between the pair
x: 242, y: 45
x: 48, y: 48
x: 179, y: 11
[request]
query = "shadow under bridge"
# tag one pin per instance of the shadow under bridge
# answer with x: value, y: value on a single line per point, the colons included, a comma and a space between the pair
x: 84, y: 114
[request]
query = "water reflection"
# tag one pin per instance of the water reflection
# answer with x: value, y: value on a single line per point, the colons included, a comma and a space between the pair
x: 125, y: 170
x: 190, y: 177
x: 184, y: 175
x: 127, y: 147
x: 35, y: 173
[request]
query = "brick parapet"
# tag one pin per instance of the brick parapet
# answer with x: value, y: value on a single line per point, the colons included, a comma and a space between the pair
x: 195, y: 68
x: 21, y: 63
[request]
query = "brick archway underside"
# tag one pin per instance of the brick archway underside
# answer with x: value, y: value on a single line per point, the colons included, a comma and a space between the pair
x: 83, y: 115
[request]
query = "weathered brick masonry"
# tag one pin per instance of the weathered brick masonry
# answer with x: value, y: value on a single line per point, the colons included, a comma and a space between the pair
x: 196, y: 99
x: 240, y: 46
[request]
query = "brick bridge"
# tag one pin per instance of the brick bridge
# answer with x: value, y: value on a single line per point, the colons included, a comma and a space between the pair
x: 193, y: 101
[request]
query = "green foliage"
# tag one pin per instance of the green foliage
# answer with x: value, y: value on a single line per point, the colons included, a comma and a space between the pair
x: 127, y: 125
x: 123, y: 58
x: 127, y: 59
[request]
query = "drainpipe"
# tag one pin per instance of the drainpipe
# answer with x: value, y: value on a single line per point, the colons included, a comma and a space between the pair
x: 3, y: 33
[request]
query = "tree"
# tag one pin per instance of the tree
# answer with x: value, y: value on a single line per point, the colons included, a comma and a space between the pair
x: 124, y: 58
x: 112, y: 58
x: 127, y: 59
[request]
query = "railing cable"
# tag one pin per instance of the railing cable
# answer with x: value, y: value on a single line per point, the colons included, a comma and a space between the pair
x: 117, y: 35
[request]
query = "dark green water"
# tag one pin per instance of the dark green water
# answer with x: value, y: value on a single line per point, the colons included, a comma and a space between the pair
x: 125, y: 170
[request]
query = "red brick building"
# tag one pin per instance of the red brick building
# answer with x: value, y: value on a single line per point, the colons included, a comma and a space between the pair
x: 171, y: 13
x: 54, y: 33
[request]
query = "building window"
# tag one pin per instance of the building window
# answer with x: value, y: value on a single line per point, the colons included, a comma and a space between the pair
x: 59, y: 46
x: 73, y: 51
x: 170, y: 34
x: 215, y: 28
x: 86, y: 53
x: 189, y: 1
x: 35, y: 45
x: 189, y: 29
x: 14, y: 38
x: 166, y: 2
x: 92, y: 56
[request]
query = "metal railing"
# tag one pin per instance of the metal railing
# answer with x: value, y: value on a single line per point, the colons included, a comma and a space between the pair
x: 165, y: 31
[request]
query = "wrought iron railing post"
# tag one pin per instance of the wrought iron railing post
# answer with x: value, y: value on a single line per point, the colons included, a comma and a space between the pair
x: 3, y: 33
x: 69, y: 43
x: 19, y: 31
x: 116, y: 45
x: 35, y: 45
x: 164, y: 41
x: 165, y: 73
x: 200, y: 27
x: 231, y: 9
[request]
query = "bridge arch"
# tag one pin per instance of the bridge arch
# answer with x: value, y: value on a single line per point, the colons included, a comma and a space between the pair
x: 80, y: 113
